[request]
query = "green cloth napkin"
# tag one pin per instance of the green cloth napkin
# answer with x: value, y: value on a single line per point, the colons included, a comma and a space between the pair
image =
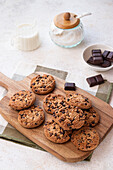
x: 10, y: 133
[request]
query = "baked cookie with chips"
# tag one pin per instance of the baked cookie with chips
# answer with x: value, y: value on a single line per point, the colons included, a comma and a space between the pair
x: 92, y: 117
x: 53, y: 102
x: 68, y: 119
x: 32, y: 117
x: 42, y: 84
x: 22, y: 100
x: 85, y: 139
x: 78, y: 100
x: 55, y: 133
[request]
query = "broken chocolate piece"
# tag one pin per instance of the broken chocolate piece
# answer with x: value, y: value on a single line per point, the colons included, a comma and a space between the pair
x: 99, y: 79
x: 90, y: 61
x: 70, y: 86
x: 106, y: 63
x: 110, y: 57
x: 105, y: 53
x: 95, y: 80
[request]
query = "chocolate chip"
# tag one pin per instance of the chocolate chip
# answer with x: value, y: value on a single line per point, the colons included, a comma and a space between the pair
x: 58, y: 137
x: 88, y: 134
x: 50, y: 134
x: 56, y: 103
x: 94, y: 115
x: 44, y: 86
x: 63, y: 111
x: 93, y: 122
x: 77, y: 111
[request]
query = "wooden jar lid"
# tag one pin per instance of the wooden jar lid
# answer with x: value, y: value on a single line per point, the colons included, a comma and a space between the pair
x: 66, y: 20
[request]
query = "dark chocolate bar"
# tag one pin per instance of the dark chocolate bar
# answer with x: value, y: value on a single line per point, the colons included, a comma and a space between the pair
x: 70, y: 86
x: 97, y: 60
x: 96, y: 51
x: 106, y: 63
x: 105, y: 53
x: 110, y: 57
x: 95, y: 80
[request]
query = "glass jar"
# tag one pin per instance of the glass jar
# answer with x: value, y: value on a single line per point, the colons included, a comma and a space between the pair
x: 67, y: 38
x: 71, y: 36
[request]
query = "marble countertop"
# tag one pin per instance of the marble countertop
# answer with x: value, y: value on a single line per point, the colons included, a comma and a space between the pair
x: 98, y: 29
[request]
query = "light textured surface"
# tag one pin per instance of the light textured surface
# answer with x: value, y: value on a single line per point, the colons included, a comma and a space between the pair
x: 98, y: 29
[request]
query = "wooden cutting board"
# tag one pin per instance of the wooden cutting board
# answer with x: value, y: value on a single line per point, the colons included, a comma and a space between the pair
x: 67, y: 151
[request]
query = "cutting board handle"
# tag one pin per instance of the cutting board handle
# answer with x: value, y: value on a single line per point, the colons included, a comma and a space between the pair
x: 5, y: 81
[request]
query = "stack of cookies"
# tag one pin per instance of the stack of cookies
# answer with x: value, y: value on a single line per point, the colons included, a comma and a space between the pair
x: 72, y: 115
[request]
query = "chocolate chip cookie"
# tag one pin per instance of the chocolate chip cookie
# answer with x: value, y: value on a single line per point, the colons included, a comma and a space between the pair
x: 22, y: 99
x: 69, y: 118
x: 92, y: 117
x: 53, y: 102
x: 42, y: 84
x: 32, y: 117
x: 85, y: 139
x: 78, y: 100
x: 55, y: 133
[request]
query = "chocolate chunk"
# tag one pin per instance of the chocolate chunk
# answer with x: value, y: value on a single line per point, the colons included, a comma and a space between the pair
x: 91, y: 81
x: 97, y: 55
x: 110, y: 57
x: 95, y: 80
x: 70, y: 86
x: 90, y: 61
x: 96, y: 51
x: 98, y: 60
x: 106, y: 63
x: 99, y: 79
x: 105, y: 53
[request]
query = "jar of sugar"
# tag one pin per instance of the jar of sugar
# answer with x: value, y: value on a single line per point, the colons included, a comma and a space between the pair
x: 67, y: 30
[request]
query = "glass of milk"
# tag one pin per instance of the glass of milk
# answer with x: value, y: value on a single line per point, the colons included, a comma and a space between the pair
x: 27, y: 37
